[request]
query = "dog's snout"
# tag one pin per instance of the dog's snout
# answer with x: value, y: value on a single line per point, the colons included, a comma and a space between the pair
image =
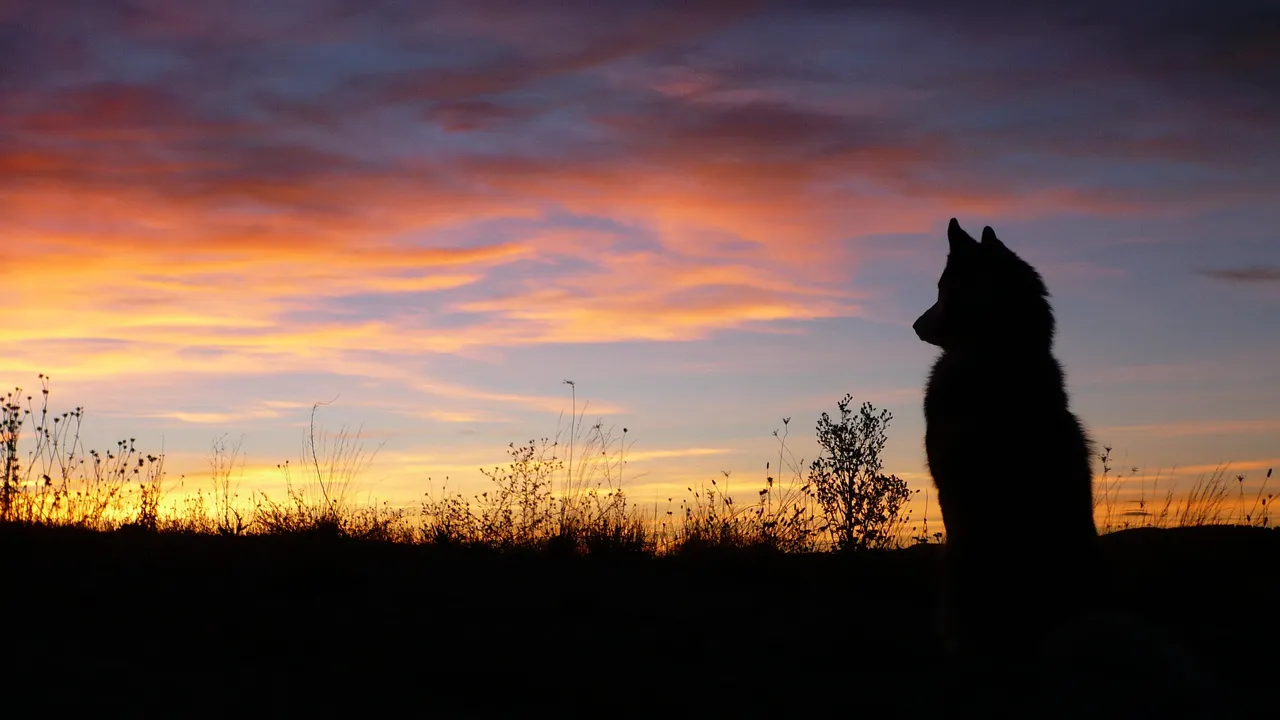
x: 926, y: 326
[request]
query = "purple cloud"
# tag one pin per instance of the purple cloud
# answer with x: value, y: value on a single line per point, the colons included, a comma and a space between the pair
x: 1257, y: 274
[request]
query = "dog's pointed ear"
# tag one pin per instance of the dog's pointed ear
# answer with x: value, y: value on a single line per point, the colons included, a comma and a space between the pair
x: 990, y: 240
x: 960, y: 240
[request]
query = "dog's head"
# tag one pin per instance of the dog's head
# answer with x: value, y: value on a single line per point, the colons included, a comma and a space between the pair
x: 986, y: 295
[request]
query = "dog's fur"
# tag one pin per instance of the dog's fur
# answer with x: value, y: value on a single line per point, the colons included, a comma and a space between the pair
x: 1006, y: 454
x: 1023, y: 575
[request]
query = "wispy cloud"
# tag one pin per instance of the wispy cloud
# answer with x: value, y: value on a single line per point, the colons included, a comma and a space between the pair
x: 1161, y: 477
x: 1234, y: 467
x: 642, y: 455
x: 218, y: 418
x: 1257, y: 274
x: 1195, y: 429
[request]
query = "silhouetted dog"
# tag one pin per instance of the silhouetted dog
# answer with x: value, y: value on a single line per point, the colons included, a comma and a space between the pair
x: 1010, y: 461
x: 1012, y: 467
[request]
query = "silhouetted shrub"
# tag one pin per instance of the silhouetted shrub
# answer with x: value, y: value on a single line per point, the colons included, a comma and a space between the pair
x: 862, y: 506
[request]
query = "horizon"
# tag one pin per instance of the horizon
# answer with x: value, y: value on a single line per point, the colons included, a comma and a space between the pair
x: 707, y: 219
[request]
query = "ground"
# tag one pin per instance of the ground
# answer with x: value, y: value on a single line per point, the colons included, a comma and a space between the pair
x: 138, y: 624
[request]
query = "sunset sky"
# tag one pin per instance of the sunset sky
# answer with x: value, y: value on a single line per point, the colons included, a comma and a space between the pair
x: 708, y: 215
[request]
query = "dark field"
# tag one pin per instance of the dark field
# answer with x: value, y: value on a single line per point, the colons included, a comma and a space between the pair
x: 131, y: 623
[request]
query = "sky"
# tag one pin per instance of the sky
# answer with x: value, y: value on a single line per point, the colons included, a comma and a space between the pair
x: 709, y: 216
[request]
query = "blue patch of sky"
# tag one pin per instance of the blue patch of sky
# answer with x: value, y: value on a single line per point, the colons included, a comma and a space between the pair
x: 613, y: 235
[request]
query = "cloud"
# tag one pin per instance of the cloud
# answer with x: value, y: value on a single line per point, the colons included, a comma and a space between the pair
x: 641, y: 455
x: 1257, y: 274
x: 1239, y: 467
x: 456, y: 416
x: 1228, y: 469
x: 470, y: 115
x: 1178, y: 44
x: 218, y: 418
x: 1155, y: 373
x: 1261, y: 426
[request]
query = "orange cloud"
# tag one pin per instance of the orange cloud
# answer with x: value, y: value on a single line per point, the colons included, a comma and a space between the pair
x: 1232, y: 468
x: 217, y: 418
x: 1261, y: 426
x: 642, y: 455
x: 456, y: 416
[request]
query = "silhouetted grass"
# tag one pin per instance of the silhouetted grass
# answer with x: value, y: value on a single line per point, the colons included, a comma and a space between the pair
x: 58, y: 482
x: 1207, y: 501
x: 563, y: 494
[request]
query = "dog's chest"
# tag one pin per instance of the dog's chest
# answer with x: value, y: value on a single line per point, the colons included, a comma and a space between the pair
x: 949, y: 420
x: 966, y: 400
x: 953, y: 397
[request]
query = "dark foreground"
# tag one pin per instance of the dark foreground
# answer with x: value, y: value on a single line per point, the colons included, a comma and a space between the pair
x: 135, y: 625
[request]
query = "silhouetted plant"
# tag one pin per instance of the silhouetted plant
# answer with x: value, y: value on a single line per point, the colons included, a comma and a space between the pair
x: 841, y: 500
x: 1206, y: 502
x: 1259, y: 514
x: 590, y: 502
x: 223, y: 461
x: 922, y: 536
x: 786, y: 517
x: 519, y: 511
x: 321, y: 503
x: 862, y: 506
x: 59, y: 483
x: 710, y: 519
x: 148, y: 473
x: 539, y: 500
x: 10, y: 430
